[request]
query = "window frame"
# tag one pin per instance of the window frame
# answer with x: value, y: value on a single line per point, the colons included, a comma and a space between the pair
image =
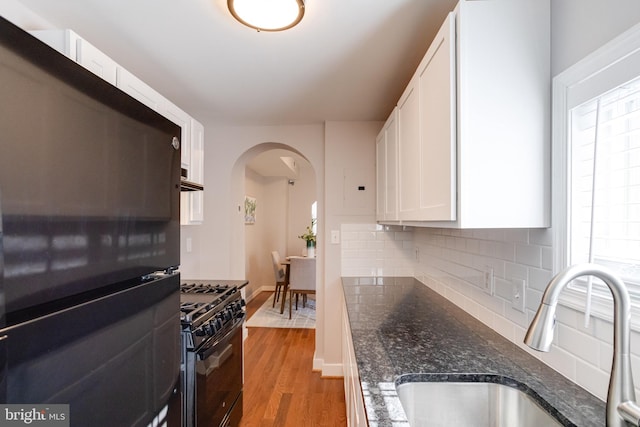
x: 599, y: 72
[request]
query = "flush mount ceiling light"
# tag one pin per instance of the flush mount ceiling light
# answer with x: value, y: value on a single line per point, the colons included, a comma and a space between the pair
x: 267, y: 15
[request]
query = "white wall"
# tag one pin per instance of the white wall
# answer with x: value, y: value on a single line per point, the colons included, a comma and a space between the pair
x: 218, y: 244
x: 350, y: 160
x: 578, y: 27
x: 15, y: 12
x: 267, y: 233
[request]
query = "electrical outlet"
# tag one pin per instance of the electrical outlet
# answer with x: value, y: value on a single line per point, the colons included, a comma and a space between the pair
x: 517, y: 294
x: 189, y: 245
x: 489, y: 281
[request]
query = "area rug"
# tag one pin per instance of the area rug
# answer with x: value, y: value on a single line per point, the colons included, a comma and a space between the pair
x: 270, y: 317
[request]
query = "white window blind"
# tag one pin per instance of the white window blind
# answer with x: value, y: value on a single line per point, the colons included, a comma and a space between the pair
x: 604, y: 186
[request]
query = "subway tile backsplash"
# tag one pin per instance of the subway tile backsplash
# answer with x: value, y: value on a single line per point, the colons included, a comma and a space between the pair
x: 376, y: 250
x: 453, y: 262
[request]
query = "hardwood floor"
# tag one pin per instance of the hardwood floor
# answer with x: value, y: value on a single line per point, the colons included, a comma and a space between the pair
x: 280, y: 389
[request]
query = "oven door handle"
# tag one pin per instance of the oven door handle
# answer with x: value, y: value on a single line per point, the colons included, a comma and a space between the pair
x: 213, y: 362
x: 207, y: 352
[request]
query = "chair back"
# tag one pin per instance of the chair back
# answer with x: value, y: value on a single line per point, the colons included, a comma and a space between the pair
x: 302, y: 275
x: 277, y: 267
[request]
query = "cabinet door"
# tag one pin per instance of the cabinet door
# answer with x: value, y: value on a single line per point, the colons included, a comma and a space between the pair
x: 409, y: 153
x: 182, y: 119
x: 196, y: 198
x: 391, y: 167
x: 381, y: 172
x: 64, y: 41
x: 139, y: 90
x: 437, y: 89
x: 387, y: 170
x: 95, y: 61
x: 354, y: 401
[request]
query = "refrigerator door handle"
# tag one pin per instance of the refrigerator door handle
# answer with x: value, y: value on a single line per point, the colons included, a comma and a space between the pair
x: 3, y: 338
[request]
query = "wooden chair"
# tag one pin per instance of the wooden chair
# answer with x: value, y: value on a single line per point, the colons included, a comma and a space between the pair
x: 302, y: 279
x: 279, y: 272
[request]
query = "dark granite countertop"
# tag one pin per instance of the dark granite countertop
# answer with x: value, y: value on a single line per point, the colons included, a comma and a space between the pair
x: 400, y: 326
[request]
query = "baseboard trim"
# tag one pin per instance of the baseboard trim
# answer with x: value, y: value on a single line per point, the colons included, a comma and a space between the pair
x: 332, y: 371
x: 256, y: 292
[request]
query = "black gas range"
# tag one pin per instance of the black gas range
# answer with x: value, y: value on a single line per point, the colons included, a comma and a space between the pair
x: 211, y: 317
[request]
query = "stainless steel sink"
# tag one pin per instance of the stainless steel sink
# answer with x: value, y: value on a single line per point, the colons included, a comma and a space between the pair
x: 475, y: 404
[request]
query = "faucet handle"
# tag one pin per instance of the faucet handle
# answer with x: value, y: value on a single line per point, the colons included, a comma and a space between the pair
x: 630, y: 412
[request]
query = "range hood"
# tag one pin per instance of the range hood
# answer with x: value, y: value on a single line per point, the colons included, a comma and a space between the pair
x: 186, y: 185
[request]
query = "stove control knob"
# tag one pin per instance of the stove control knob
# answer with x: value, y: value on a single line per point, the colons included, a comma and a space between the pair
x: 219, y: 320
x: 213, y: 327
x: 207, y: 329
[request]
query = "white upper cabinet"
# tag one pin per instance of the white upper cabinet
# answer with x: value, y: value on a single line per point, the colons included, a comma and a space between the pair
x: 95, y: 61
x: 81, y: 51
x: 193, y: 201
x: 387, y: 170
x: 136, y: 88
x: 474, y: 121
x: 427, y: 140
x: 504, y: 110
x: 182, y: 119
x: 436, y: 78
x: 409, y: 151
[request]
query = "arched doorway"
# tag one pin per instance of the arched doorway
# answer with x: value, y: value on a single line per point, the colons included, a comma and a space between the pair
x: 280, y: 184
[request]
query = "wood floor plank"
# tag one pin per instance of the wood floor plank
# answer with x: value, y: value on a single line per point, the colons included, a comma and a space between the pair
x: 281, y: 389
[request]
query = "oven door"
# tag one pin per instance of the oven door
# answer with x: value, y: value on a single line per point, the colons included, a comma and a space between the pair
x: 219, y: 379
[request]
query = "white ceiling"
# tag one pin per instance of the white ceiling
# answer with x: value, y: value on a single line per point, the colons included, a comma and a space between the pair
x: 277, y: 163
x: 347, y: 59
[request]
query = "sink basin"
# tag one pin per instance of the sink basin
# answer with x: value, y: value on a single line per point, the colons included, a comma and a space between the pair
x: 475, y: 404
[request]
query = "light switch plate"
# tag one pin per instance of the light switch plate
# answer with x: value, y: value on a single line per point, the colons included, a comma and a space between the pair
x: 517, y: 294
x: 335, y: 237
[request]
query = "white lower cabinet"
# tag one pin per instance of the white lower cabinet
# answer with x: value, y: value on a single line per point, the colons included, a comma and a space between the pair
x: 474, y: 122
x: 356, y: 415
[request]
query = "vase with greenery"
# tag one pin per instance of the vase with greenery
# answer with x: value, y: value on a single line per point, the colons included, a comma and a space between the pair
x: 310, y: 237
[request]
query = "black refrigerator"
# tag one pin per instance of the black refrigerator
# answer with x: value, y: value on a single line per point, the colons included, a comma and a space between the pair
x: 89, y: 244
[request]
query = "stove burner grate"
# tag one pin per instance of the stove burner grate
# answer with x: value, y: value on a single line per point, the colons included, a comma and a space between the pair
x: 201, y: 288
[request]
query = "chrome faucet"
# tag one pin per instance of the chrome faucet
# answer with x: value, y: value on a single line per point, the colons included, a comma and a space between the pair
x: 621, y: 405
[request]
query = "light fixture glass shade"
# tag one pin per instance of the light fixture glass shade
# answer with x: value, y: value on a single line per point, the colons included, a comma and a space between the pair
x: 267, y: 15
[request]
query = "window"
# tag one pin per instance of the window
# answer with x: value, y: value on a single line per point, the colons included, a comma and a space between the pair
x: 596, y: 157
x: 314, y: 217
